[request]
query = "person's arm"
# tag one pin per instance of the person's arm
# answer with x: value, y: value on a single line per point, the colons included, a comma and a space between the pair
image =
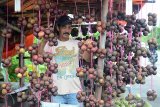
x: 41, y: 46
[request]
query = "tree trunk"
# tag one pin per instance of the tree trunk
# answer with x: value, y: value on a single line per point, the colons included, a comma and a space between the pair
x: 102, y: 45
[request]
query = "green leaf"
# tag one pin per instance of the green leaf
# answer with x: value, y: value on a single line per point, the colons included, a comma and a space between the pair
x: 96, y: 35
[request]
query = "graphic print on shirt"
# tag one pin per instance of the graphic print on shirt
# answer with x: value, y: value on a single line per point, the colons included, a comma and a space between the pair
x: 66, y: 60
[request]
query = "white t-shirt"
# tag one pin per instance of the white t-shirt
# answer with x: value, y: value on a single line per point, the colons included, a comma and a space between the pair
x: 66, y: 56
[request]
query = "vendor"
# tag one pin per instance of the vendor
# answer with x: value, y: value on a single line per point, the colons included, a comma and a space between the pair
x: 66, y: 55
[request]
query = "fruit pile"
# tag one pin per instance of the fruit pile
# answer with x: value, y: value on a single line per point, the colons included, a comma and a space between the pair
x: 21, y: 97
x: 20, y: 49
x: 33, y: 50
x: 122, y: 54
x: 152, y: 44
x: 52, y: 68
x: 152, y: 19
x: 6, y: 88
x: 80, y: 72
x: 88, y: 45
x: 7, y: 62
x: 121, y: 57
x: 90, y: 101
x: 21, y: 72
x: 131, y: 101
x: 101, y: 26
x: 151, y: 95
x: 32, y: 21
x: 22, y: 21
x: 7, y: 32
x: 43, y: 84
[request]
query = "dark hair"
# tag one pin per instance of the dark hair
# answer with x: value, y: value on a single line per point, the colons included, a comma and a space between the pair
x: 63, y: 20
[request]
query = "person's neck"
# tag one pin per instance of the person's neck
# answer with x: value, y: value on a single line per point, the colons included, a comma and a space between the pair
x: 63, y: 39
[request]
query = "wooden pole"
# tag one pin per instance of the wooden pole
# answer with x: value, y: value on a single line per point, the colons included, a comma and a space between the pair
x: 102, y: 45
x: 1, y: 47
x: 21, y: 55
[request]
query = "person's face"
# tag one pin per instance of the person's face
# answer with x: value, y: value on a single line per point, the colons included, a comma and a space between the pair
x: 64, y: 32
